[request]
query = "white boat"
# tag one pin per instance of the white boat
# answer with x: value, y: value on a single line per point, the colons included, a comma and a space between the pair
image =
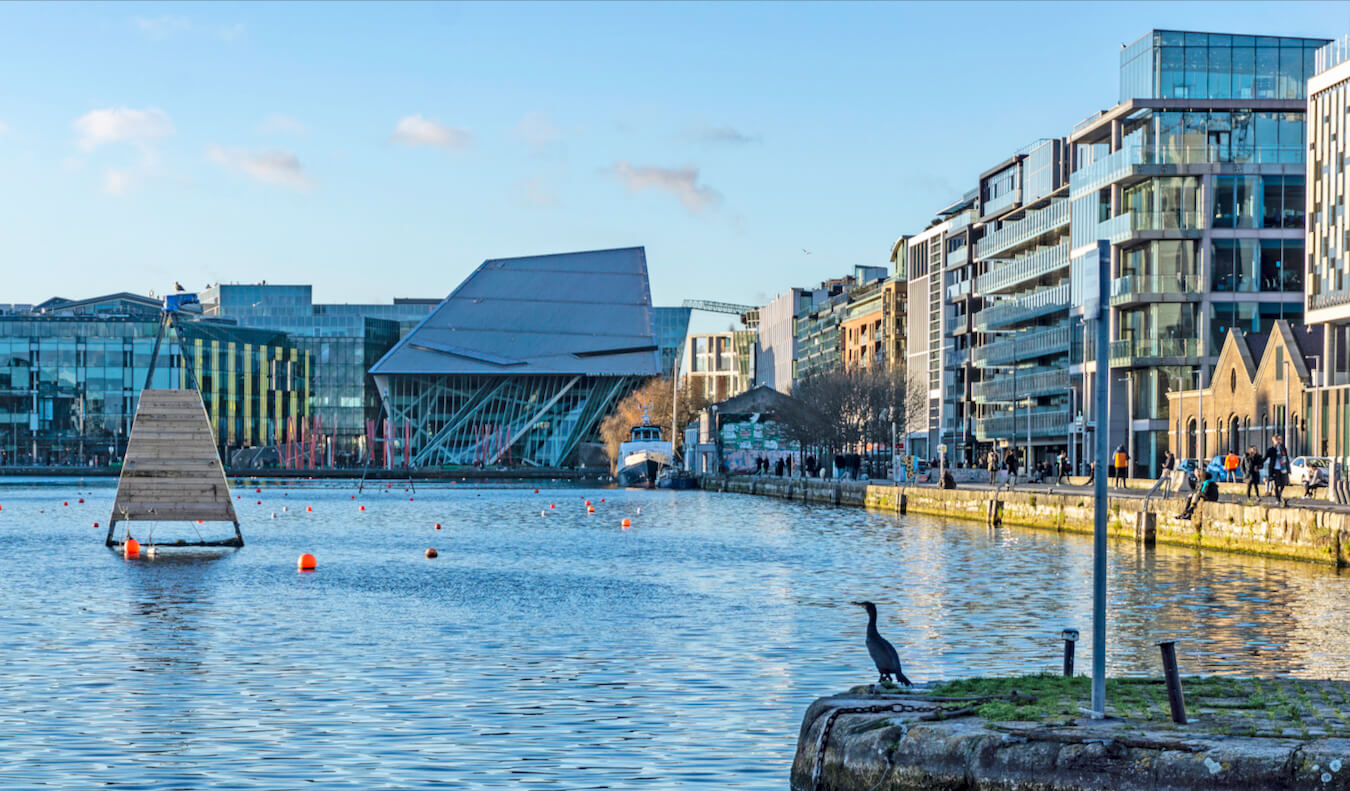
x: 644, y: 455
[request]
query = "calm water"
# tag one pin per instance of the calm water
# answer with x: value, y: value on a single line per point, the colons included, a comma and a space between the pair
x: 561, y: 651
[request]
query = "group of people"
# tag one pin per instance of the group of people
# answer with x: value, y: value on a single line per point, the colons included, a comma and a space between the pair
x: 1272, y: 466
x: 762, y: 466
x: 1040, y: 472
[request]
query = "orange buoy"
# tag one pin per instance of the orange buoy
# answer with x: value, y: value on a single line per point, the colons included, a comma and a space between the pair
x: 353, y: 497
x: 536, y: 491
x: 602, y: 499
x: 626, y: 523
x: 309, y: 508
x: 590, y: 509
x: 588, y: 502
x: 552, y: 505
x: 307, y: 562
x: 410, y: 499
x: 438, y: 525
x: 66, y: 502
x: 131, y: 548
x: 431, y: 553
x: 260, y: 502
x: 259, y: 489
x: 363, y: 508
x: 81, y: 499
x: 96, y: 524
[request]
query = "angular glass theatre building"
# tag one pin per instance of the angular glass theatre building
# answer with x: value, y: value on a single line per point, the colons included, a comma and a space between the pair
x: 520, y: 363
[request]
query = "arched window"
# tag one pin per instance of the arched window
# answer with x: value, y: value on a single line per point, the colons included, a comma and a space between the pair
x: 1234, y: 435
x: 1190, y: 439
x: 1232, y: 381
x: 1204, y: 439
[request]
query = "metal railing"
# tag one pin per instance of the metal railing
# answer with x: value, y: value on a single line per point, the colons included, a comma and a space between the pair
x: 1034, y: 224
x: 1037, y: 303
x: 1119, y: 164
x: 1027, y: 383
x: 1044, y: 421
x: 1024, y: 346
x: 1331, y: 55
x: 1129, y: 351
x: 1130, y: 287
x: 958, y: 290
x: 1006, y: 275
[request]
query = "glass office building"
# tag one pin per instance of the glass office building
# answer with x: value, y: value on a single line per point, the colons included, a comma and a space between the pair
x: 671, y: 325
x: 69, y: 384
x: 1197, y: 180
x: 343, y: 340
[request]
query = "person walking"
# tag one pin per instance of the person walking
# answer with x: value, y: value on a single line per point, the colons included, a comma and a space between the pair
x: 1122, y: 460
x: 1062, y: 467
x: 1010, y: 464
x: 992, y: 461
x: 1278, y: 457
x: 1253, y: 472
x: 1231, y: 462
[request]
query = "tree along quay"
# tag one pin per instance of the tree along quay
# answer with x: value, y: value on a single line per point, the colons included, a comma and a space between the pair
x: 1027, y: 734
x: 1319, y: 535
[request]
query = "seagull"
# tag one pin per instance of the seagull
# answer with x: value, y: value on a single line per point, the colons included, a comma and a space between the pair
x: 883, y: 653
x: 178, y: 286
x: 807, y: 252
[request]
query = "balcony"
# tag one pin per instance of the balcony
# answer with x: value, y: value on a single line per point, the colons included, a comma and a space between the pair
x: 957, y: 290
x: 1024, y: 346
x: 1043, y: 422
x: 1129, y: 353
x: 1015, y: 311
x: 1012, y: 234
x: 1122, y: 164
x: 1154, y: 288
x: 1123, y: 227
x: 1018, y: 271
x: 1027, y: 383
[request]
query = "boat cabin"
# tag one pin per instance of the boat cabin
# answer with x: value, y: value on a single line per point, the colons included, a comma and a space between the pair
x: 645, y: 433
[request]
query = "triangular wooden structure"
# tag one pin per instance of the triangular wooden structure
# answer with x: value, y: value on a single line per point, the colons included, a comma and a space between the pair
x: 172, y: 471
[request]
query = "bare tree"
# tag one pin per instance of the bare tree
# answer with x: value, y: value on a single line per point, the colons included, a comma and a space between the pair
x: 656, y: 395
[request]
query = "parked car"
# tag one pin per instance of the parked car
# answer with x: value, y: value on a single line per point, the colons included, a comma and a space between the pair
x: 1215, y: 468
x: 1303, y: 468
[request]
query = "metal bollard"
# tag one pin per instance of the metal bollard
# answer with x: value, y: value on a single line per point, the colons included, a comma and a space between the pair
x: 1174, y: 697
x: 1070, y: 637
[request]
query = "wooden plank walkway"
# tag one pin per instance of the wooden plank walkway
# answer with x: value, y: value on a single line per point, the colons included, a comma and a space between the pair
x: 172, y: 471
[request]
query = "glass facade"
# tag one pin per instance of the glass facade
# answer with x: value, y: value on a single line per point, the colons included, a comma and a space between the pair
x: 344, y: 340
x: 69, y: 385
x: 671, y: 325
x: 1172, y: 64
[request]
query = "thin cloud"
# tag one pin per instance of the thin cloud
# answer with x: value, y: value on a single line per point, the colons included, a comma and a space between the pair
x: 725, y: 135
x: 116, y: 181
x: 416, y: 130
x: 537, y: 130
x: 278, y: 124
x: 122, y: 125
x: 163, y: 26
x: 680, y: 182
x: 231, y: 32
x: 280, y: 168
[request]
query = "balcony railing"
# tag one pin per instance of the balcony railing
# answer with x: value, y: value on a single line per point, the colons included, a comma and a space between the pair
x: 1027, y: 383
x: 1038, y: 303
x: 958, y: 290
x: 1116, y: 166
x: 1129, y: 352
x: 1035, y: 223
x: 1131, y: 288
x: 1119, y: 228
x: 1043, y: 422
x: 1023, y: 346
x: 1331, y: 55
x: 1015, y: 272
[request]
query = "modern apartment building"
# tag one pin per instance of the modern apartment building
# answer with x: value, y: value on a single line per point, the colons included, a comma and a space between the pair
x: 721, y: 364
x: 1196, y: 177
x: 1023, y: 395
x: 776, y: 346
x: 1328, y: 247
x: 960, y: 303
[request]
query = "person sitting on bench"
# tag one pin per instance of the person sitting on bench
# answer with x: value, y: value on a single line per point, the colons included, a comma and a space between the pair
x: 1207, y: 491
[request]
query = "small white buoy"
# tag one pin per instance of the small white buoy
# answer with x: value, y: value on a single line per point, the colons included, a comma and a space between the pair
x: 152, y: 552
x: 543, y: 513
x: 639, y: 510
x: 274, y: 514
x: 285, y: 508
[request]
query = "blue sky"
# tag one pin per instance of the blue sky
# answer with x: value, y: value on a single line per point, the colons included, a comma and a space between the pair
x: 386, y: 150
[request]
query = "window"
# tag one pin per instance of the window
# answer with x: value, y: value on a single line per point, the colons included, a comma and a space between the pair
x: 1279, y: 364
x: 1232, y: 381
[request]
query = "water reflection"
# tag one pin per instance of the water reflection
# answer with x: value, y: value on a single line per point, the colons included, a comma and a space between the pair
x: 562, y: 651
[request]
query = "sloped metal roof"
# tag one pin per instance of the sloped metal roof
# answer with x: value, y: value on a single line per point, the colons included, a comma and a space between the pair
x: 569, y: 313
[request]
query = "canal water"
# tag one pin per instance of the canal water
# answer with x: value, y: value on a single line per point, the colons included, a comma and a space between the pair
x: 557, y: 651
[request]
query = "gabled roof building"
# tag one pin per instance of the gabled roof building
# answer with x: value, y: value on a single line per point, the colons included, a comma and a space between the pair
x: 523, y: 359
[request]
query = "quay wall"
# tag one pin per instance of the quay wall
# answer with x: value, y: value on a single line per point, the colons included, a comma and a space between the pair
x: 1300, y: 533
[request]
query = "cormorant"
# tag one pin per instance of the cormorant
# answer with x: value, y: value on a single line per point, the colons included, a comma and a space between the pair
x: 883, y: 653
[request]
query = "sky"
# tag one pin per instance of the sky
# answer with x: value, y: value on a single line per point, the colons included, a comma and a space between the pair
x: 382, y: 150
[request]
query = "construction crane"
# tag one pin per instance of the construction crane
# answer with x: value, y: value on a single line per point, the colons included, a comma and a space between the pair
x: 749, y: 314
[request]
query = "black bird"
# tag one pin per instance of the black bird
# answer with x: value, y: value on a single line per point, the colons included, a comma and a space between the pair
x: 883, y: 653
x: 178, y: 286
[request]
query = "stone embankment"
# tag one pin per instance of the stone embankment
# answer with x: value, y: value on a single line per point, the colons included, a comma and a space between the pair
x: 1235, y: 740
x: 1320, y: 535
